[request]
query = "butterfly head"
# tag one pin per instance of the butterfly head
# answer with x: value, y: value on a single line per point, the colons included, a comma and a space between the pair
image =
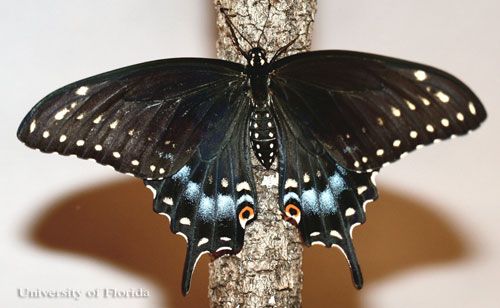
x: 256, y: 57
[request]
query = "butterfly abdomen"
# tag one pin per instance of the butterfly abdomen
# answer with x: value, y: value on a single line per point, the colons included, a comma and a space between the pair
x: 263, y: 136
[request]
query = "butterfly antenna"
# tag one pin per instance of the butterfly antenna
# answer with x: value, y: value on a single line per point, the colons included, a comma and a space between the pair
x: 265, y: 23
x: 233, y: 31
x: 284, y: 48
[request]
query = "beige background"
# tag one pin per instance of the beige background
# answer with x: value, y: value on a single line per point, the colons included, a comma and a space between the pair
x: 430, y: 241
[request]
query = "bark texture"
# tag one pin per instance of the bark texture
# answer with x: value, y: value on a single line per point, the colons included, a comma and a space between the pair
x: 268, y: 270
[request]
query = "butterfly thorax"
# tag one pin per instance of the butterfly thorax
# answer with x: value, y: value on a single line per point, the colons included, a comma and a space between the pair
x: 262, y: 128
x: 257, y: 71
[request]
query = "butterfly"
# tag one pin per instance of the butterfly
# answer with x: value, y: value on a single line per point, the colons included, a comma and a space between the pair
x: 329, y: 120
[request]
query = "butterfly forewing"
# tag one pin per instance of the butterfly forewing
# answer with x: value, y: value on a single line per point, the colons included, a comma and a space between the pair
x: 147, y: 119
x: 368, y: 110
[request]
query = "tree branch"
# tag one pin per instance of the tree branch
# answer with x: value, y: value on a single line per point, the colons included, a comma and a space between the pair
x: 268, y: 270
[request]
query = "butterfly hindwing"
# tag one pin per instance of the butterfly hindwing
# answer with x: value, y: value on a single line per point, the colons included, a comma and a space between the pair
x: 368, y: 110
x: 210, y: 201
x: 325, y: 200
x: 146, y: 119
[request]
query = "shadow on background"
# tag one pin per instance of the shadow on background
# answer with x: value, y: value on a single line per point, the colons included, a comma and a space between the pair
x: 115, y: 223
x: 400, y: 234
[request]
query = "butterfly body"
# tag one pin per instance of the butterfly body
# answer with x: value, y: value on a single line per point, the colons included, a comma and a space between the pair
x: 263, y: 136
x: 262, y: 123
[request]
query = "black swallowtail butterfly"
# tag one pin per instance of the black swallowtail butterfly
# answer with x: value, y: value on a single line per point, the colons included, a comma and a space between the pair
x: 329, y: 119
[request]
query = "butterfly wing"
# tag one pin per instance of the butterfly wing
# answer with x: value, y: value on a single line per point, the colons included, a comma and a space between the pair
x: 341, y: 115
x: 146, y: 119
x: 324, y: 199
x: 210, y: 201
x: 181, y: 125
x: 367, y: 110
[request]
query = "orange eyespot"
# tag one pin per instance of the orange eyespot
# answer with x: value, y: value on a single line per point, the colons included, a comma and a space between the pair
x: 246, y: 214
x: 292, y: 211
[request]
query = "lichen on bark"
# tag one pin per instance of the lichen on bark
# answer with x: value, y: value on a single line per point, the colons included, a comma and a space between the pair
x: 268, y: 270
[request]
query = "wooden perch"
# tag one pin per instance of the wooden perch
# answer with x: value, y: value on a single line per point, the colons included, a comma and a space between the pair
x: 268, y: 270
